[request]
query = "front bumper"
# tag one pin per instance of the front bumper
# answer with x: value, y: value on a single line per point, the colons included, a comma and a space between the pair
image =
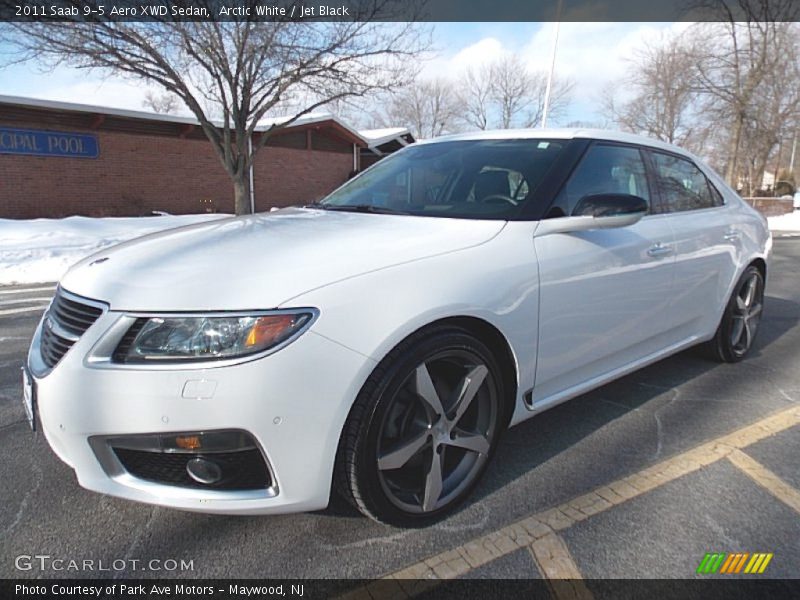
x: 293, y: 402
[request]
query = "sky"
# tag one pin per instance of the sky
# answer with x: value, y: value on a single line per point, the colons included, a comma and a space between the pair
x: 593, y: 55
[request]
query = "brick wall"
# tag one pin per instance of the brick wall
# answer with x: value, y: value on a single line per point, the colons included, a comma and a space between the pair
x: 285, y: 176
x: 138, y: 173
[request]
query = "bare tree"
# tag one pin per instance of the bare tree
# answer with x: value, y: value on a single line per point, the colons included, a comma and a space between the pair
x: 505, y: 94
x: 775, y: 108
x: 560, y: 97
x: 160, y: 102
x: 659, y: 95
x: 429, y: 107
x: 246, y: 69
x: 511, y: 84
x: 475, y: 93
x: 735, y: 57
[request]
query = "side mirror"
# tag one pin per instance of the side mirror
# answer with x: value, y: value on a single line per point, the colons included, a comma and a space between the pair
x: 597, y: 211
x: 610, y: 205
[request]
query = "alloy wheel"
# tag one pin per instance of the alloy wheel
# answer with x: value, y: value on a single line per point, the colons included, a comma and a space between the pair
x: 746, y: 314
x: 437, y: 433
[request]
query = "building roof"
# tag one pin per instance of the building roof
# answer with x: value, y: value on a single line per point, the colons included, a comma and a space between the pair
x: 378, y: 137
x: 307, y: 120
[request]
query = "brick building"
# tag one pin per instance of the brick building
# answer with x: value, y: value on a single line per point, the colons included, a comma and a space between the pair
x: 59, y: 159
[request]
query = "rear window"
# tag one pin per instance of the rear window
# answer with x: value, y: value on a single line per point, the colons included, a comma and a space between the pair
x: 683, y: 185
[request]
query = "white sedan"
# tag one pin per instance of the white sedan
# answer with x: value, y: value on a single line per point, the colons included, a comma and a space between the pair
x: 381, y: 341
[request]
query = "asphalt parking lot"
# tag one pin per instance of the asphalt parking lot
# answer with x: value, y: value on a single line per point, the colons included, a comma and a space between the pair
x: 640, y: 478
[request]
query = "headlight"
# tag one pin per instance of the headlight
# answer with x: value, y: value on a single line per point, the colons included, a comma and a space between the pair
x: 210, y: 337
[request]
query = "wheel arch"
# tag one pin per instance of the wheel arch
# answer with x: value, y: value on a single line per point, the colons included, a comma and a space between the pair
x: 481, y: 329
x: 487, y: 333
x: 501, y: 349
x: 761, y: 265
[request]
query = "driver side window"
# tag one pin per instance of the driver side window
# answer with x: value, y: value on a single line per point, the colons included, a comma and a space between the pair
x: 604, y: 169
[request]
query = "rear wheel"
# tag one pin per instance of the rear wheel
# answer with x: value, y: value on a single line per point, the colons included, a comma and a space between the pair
x: 739, y: 324
x: 422, y: 429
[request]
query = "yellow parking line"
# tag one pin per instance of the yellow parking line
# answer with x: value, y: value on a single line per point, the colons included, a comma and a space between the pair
x: 553, y: 558
x: 556, y: 564
x: 454, y: 563
x: 766, y: 479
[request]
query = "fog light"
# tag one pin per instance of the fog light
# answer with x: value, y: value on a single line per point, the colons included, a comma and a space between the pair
x: 204, y: 471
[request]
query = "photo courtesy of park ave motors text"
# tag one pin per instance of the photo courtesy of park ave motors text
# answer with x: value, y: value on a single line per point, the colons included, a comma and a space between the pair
x: 386, y: 299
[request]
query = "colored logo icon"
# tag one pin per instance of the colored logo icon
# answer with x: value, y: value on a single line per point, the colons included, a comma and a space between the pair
x: 733, y: 563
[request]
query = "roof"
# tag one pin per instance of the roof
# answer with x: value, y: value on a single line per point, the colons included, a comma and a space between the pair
x: 263, y: 125
x: 378, y: 137
x: 559, y: 134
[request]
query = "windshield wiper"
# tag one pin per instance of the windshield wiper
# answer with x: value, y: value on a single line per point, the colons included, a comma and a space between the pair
x: 319, y: 205
x: 366, y: 208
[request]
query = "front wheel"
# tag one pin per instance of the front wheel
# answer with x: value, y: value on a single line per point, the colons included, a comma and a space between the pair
x: 739, y: 324
x: 423, y: 428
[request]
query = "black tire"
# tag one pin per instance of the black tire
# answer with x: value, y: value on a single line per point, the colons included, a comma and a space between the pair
x: 393, y: 439
x: 739, y: 324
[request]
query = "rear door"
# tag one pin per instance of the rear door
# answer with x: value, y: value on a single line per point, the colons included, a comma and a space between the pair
x: 707, y: 243
x: 603, y: 293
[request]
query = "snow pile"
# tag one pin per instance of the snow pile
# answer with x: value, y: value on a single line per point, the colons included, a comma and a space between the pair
x: 42, y: 250
x: 788, y: 222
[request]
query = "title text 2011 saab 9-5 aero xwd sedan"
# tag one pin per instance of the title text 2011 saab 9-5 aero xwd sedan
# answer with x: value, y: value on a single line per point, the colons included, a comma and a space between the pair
x: 380, y: 341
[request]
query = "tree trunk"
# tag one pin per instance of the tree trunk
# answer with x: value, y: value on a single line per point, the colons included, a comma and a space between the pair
x: 241, y: 193
x: 733, y: 152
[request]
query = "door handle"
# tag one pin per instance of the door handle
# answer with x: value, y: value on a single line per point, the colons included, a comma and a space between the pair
x: 732, y: 235
x: 659, y: 250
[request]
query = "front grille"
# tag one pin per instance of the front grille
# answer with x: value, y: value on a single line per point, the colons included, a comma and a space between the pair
x: 66, y: 321
x: 241, y: 470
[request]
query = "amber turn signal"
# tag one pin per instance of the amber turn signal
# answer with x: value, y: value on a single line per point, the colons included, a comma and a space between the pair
x: 269, y: 330
x: 189, y: 442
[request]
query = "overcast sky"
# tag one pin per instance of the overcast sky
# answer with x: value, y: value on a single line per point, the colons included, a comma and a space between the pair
x: 592, y: 54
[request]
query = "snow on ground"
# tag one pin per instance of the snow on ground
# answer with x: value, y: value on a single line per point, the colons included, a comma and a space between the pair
x: 41, y: 250
x: 788, y: 222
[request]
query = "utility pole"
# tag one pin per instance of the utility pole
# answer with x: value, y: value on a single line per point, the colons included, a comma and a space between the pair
x: 548, y: 90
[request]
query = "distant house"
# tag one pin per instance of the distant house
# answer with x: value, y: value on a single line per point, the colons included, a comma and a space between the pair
x: 59, y: 159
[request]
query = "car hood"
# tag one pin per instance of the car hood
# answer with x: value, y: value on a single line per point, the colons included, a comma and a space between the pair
x: 261, y: 261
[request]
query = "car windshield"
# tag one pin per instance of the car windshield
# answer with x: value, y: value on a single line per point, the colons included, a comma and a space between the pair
x: 478, y: 179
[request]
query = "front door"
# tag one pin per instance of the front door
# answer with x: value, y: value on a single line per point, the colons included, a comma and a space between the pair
x: 604, y: 292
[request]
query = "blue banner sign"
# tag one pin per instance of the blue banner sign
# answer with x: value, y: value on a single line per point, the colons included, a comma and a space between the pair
x: 37, y: 142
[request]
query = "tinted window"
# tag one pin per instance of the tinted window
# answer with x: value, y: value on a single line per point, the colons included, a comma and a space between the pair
x: 506, y: 183
x: 603, y: 170
x: 682, y: 185
x: 489, y: 179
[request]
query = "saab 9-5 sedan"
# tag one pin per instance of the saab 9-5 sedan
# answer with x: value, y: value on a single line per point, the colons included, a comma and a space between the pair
x: 380, y: 341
